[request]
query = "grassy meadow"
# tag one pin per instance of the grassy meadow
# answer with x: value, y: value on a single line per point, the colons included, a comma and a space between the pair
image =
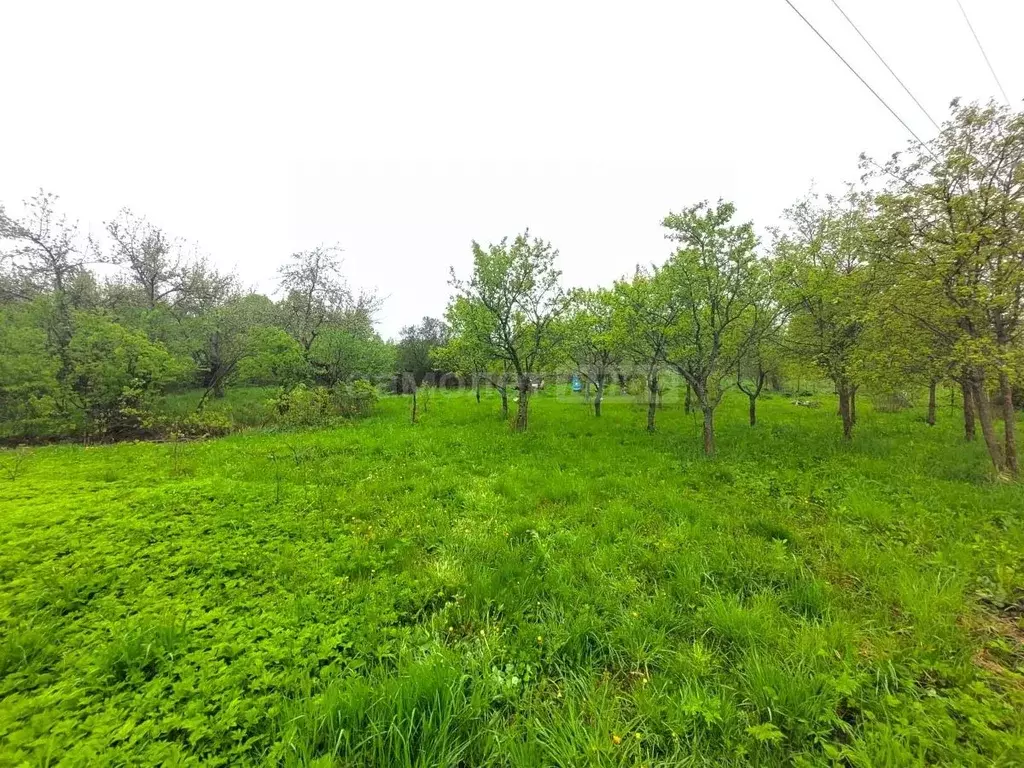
x: 453, y: 594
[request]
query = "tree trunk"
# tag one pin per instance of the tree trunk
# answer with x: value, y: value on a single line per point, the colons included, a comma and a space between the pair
x: 504, y: 402
x: 931, y: 401
x: 709, y: 429
x: 981, y: 406
x: 853, y: 404
x: 965, y: 390
x: 845, y: 410
x: 414, y: 405
x: 1009, y: 424
x: 652, y: 400
x: 522, y: 412
x: 598, y: 397
x: 218, y: 387
x: 688, y: 405
x: 478, y: 390
x: 753, y: 410
x: 586, y: 391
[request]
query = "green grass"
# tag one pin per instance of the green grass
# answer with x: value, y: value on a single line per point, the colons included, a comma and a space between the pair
x: 450, y: 593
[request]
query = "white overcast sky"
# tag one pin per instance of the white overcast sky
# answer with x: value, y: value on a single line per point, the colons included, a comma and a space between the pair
x: 405, y: 130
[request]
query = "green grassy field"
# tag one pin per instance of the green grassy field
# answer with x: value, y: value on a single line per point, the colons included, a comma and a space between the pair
x: 453, y: 594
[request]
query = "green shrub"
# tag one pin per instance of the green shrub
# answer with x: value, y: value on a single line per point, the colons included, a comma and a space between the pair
x: 317, y: 406
x: 355, y: 398
x: 116, y: 373
x: 274, y: 358
x: 30, y: 396
x: 204, y: 424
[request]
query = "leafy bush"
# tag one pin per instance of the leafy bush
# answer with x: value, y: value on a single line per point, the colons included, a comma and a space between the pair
x: 204, y: 423
x: 316, y: 406
x: 30, y: 397
x: 337, y: 355
x: 115, y: 374
x: 356, y: 398
x: 273, y: 357
x: 302, y: 405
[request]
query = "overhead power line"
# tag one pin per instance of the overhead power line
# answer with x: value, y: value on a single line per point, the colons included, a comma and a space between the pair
x: 982, y: 49
x: 857, y: 75
x: 885, y: 64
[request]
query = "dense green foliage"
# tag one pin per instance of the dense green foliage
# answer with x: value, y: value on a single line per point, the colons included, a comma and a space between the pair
x: 451, y: 593
x: 90, y: 358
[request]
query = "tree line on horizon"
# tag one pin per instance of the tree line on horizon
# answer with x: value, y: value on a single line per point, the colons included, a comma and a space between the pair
x: 912, y: 278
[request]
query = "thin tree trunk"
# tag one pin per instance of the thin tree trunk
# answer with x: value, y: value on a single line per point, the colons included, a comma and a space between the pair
x: 845, y: 410
x: 599, y: 396
x: 202, y: 400
x: 853, y: 404
x: 965, y: 390
x: 478, y: 390
x: 586, y: 391
x: 522, y: 412
x: 414, y: 405
x: 709, y: 429
x: 753, y: 410
x: 652, y: 400
x: 504, y: 402
x: 984, y: 413
x: 932, y: 385
x: 1009, y: 424
x: 688, y: 405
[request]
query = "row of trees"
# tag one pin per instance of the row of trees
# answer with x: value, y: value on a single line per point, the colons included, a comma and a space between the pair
x: 914, y: 277
x: 94, y: 328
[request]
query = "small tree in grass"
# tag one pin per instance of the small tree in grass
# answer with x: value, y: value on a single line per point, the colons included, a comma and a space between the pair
x: 515, y: 292
x: 646, y: 318
x: 593, y: 340
x: 760, y: 360
x: 466, y: 352
x: 415, y: 355
x: 722, y: 304
x: 821, y: 277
